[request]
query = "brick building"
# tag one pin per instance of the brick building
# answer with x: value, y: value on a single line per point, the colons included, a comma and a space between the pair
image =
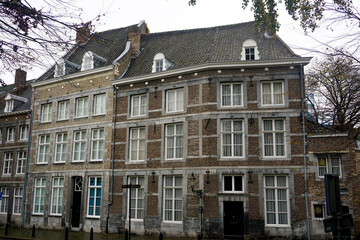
x: 71, y: 147
x: 332, y: 152
x: 15, y: 101
x: 207, y: 122
x: 210, y: 118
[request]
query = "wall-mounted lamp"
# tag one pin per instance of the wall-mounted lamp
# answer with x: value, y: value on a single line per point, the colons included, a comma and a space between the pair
x: 192, y: 185
x: 251, y: 120
x: 153, y: 177
x: 250, y: 180
x: 207, y: 177
x: 251, y: 82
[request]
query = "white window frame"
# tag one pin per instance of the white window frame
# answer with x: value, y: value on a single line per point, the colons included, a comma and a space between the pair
x: 43, y: 149
x: 141, y: 105
x: 136, y: 141
x: 46, y: 113
x: 178, y: 102
x: 60, y: 147
x: 232, y: 95
x: 273, y: 134
x: 8, y: 159
x: 249, y: 53
x: 233, y: 135
x: 21, y: 162
x: 23, y: 133
x: 96, y: 186
x: 82, y: 107
x: 329, y: 167
x: 57, y: 195
x: 137, y: 197
x: 233, y: 184
x: 272, y: 93
x: 323, y: 206
x: 9, y: 105
x: 177, y: 139
x: 100, y: 104
x: 173, y: 189
x: 39, y: 193
x: 82, y: 143
x: 17, y: 200
x: 10, y: 134
x: 159, y: 65
x: 4, y: 202
x: 276, y: 200
x: 97, y: 144
x: 63, y: 110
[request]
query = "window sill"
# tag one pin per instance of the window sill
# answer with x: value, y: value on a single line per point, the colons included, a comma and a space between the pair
x: 56, y: 163
x: 135, y: 162
x: 79, y: 118
x: 277, y: 226
x: 41, y: 122
x: 37, y: 214
x: 82, y: 161
x: 273, y: 105
x: 99, y: 115
x: 96, y: 161
x: 55, y: 215
x: 45, y: 163
x: 93, y: 217
x: 231, y: 193
x: 174, y: 112
x: 63, y: 120
x: 232, y: 158
x: 137, y: 117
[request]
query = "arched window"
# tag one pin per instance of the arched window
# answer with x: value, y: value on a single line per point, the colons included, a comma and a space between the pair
x: 87, y: 61
x: 59, y: 68
x: 249, y: 50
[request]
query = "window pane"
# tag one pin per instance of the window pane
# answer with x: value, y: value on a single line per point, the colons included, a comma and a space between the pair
x: 228, y: 183
x: 238, y: 183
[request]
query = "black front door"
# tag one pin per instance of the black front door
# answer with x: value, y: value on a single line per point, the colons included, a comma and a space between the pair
x: 76, y: 202
x: 234, y: 220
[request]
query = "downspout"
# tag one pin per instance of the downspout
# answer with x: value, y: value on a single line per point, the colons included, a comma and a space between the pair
x: 304, y: 141
x: 112, y: 162
x: 27, y: 161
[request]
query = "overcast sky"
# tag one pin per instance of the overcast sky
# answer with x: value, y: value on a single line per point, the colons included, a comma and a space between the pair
x: 169, y: 15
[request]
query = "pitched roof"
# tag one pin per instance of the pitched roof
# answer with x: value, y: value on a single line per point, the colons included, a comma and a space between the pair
x: 206, y: 45
x: 316, y: 128
x: 108, y: 44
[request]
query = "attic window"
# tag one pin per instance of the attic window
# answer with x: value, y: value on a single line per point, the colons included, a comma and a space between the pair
x: 161, y: 63
x: 91, y: 60
x: 249, y: 50
x: 9, y: 105
x: 59, y: 68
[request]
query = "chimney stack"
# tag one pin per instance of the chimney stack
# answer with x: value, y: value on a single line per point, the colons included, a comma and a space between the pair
x: 20, y: 80
x: 83, y: 33
x: 134, y: 36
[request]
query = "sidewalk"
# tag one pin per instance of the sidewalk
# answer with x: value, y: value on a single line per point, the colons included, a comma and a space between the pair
x: 60, y: 235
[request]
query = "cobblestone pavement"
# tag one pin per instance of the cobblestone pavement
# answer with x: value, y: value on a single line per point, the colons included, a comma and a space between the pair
x: 60, y: 235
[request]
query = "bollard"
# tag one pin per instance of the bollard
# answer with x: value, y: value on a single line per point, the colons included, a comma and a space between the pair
x: 161, y: 236
x: 126, y: 234
x: 33, y: 232
x: 91, y: 234
x: 66, y: 233
x: 6, y: 229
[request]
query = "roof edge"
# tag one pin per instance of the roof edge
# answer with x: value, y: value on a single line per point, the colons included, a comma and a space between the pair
x: 72, y: 76
x: 209, y: 66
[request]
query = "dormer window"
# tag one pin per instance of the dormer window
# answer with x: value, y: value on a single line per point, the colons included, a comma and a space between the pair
x: 249, y: 50
x: 91, y: 60
x: 161, y: 63
x: 59, y: 68
x: 9, y: 105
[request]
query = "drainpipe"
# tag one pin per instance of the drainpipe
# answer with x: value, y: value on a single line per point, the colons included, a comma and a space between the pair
x: 27, y: 161
x: 304, y: 141
x: 112, y: 162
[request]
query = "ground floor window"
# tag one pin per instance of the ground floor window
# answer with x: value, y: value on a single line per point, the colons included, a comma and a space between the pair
x: 94, y: 198
x: 137, y: 197
x: 173, y: 200
x: 39, y: 195
x: 4, y: 200
x: 276, y: 200
x: 18, y: 192
x: 57, y: 195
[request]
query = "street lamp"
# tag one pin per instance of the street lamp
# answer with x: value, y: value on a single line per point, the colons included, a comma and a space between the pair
x: 198, y: 192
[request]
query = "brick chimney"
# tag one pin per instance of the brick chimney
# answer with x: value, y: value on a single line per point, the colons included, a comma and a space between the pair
x: 20, y: 80
x: 134, y: 36
x: 83, y: 33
